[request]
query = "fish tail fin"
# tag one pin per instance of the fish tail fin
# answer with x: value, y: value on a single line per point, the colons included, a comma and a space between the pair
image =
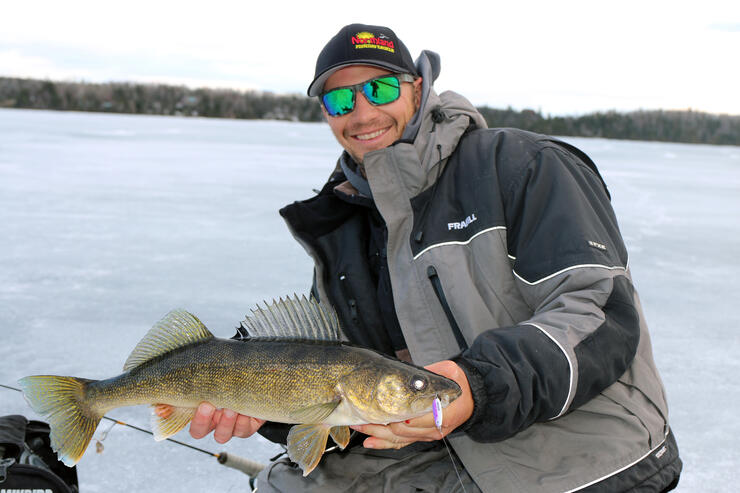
x: 62, y: 401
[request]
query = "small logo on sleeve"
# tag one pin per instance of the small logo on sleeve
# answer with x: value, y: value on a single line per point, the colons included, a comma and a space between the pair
x: 597, y: 245
x: 661, y: 452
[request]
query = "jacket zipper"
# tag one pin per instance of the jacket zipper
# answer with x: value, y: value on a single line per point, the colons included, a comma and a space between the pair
x: 437, y: 285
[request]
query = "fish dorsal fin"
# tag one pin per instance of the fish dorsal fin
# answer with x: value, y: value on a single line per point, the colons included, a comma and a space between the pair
x: 177, y: 329
x: 293, y: 318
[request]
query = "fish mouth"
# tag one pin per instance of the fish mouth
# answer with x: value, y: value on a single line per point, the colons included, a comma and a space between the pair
x: 446, y: 398
x: 423, y: 403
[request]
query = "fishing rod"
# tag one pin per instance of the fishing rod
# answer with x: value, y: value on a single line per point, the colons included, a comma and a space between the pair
x: 247, y: 466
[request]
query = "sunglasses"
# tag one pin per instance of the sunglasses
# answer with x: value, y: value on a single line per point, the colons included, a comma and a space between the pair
x: 378, y: 91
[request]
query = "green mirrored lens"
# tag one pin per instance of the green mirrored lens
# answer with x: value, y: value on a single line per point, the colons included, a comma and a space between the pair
x: 339, y: 101
x: 382, y: 90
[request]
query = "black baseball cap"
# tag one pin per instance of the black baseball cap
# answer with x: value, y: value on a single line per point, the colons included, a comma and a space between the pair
x: 361, y: 44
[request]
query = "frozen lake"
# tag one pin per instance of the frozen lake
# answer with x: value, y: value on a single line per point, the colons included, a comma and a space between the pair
x: 109, y: 221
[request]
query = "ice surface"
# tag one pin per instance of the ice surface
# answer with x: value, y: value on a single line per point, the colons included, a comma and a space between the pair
x: 109, y: 221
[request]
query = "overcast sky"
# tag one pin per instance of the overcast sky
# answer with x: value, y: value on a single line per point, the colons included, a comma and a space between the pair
x: 559, y: 57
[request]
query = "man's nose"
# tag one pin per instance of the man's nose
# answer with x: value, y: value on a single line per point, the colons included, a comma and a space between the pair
x: 363, y: 108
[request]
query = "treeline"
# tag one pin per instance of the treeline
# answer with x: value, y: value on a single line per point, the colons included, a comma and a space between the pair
x: 157, y: 99
x: 668, y: 126
x: 154, y: 99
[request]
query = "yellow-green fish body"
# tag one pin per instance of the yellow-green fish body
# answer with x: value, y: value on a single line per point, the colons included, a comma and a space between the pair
x: 292, y: 369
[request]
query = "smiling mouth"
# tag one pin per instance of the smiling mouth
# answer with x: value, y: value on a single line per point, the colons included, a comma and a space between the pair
x: 371, y: 135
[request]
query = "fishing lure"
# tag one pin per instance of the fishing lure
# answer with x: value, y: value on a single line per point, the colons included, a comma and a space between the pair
x: 437, y: 413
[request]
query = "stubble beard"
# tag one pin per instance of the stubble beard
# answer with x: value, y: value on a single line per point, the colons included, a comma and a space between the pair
x: 361, y: 128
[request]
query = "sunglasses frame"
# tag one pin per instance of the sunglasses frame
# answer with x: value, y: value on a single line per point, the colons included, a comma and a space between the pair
x: 401, y: 78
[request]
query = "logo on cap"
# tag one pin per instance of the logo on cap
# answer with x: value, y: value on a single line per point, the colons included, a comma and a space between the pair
x: 365, y: 39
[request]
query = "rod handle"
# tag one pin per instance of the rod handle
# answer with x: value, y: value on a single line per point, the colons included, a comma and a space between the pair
x: 247, y: 466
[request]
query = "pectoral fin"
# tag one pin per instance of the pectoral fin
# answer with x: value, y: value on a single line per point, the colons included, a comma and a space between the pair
x: 306, y: 445
x: 316, y: 413
x: 165, y: 427
x: 340, y: 435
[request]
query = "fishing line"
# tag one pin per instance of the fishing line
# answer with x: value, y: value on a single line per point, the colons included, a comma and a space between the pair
x: 437, y: 413
x: 99, y: 448
x: 119, y: 422
x: 444, y: 440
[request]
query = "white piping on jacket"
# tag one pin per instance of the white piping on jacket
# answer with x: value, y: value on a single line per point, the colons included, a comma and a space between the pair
x: 570, y: 368
x: 614, y: 267
x: 457, y: 242
x: 623, y: 468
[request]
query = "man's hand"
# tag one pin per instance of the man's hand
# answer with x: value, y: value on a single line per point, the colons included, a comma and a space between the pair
x: 422, y: 429
x: 224, y: 423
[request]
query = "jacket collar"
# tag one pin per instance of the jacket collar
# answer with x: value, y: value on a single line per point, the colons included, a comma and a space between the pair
x: 444, y: 120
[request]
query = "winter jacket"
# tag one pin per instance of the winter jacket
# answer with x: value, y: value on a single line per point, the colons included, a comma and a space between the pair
x: 504, y: 254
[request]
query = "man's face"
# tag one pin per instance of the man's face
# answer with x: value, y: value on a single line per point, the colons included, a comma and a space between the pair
x: 368, y: 128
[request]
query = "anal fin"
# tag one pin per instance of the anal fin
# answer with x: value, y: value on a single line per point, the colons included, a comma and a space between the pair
x: 340, y: 435
x: 306, y: 444
x: 165, y: 427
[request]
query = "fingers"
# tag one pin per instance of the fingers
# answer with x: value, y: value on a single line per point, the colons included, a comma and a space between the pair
x: 420, y: 430
x: 246, y: 426
x: 424, y: 421
x: 395, y: 435
x: 378, y: 443
x: 202, y: 422
x: 224, y: 423
x: 381, y: 437
x: 225, y: 426
x: 232, y: 424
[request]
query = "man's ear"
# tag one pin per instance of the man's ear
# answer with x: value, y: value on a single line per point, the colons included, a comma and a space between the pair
x: 417, y: 91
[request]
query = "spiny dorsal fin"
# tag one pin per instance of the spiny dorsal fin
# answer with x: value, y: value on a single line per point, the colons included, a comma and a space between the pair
x: 293, y: 318
x: 177, y: 329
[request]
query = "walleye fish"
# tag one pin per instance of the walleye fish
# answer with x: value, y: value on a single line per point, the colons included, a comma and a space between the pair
x: 292, y: 367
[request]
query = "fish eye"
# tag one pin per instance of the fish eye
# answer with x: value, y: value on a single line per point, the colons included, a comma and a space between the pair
x: 418, y: 383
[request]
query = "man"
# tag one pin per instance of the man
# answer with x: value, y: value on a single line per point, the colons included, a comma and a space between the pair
x: 493, y: 257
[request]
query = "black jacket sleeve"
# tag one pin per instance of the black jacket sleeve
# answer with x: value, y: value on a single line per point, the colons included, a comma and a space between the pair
x: 570, y: 266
